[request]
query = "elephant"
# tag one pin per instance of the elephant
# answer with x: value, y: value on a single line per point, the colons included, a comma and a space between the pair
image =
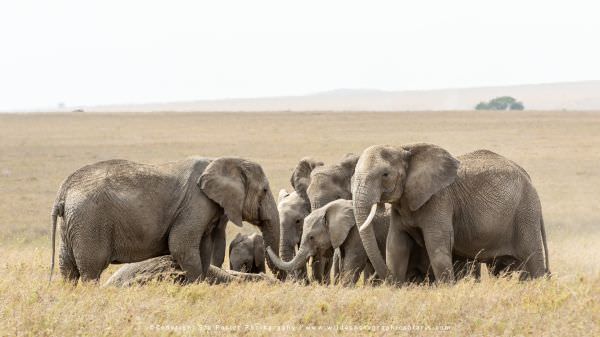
x: 293, y: 208
x: 119, y: 211
x: 320, y: 185
x: 478, y: 206
x: 166, y: 269
x: 247, y: 253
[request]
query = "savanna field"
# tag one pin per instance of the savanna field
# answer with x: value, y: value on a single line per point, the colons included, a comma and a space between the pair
x: 560, y: 150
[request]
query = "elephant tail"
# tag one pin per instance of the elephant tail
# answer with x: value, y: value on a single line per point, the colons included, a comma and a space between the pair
x: 545, y: 243
x: 58, y: 209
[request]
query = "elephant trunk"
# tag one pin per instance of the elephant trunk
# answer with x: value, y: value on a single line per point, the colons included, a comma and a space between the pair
x: 365, y: 199
x: 286, y: 251
x: 270, y: 231
x: 298, y: 261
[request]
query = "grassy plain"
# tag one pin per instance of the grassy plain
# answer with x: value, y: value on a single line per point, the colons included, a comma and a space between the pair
x: 560, y: 150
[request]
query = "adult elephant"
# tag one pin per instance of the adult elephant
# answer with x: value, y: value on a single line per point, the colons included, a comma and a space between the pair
x: 119, y: 211
x: 481, y: 206
x: 319, y: 185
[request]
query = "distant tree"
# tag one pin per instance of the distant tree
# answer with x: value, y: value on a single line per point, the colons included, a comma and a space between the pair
x: 481, y: 106
x: 501, y: 103
x: 517, y: 106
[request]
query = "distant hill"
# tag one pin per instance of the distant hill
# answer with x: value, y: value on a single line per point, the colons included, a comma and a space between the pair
x: 552, y: 96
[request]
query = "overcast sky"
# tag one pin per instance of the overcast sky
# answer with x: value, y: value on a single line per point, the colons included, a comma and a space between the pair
x: 118, y: 51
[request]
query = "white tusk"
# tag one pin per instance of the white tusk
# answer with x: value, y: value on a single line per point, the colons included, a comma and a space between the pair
x: 367, y: 223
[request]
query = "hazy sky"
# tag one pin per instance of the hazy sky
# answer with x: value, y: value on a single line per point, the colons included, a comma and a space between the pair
x: 100, y: 52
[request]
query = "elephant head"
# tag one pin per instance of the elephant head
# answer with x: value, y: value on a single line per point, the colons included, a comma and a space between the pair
x: 247, y: 253
x: 405, y: 176
x: 324, y: 229
x: 241, y: 188
x: 292, y: 210
x: 329, y: 183
x: 301, y: 176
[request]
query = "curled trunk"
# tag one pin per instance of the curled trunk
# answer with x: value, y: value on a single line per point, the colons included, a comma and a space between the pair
x: 270, y: 231
x: 297, y: 262
x: 363, y: 201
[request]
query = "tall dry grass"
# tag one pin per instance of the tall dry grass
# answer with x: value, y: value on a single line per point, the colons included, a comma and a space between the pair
x: 559, y: 150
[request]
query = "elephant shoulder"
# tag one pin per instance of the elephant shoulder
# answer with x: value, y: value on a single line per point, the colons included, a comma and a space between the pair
x: 93, y: 176
x: 485, y: 164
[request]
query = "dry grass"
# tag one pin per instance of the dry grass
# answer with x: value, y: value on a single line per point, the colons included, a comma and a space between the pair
x: 559, y: 149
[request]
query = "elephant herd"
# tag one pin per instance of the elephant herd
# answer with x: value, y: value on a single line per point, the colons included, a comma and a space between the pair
x: 396, y: 214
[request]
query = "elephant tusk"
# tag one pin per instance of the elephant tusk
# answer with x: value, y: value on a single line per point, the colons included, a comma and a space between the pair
x: 369, y: 219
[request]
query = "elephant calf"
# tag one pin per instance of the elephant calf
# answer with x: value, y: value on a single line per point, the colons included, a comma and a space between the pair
x: 247, y: 253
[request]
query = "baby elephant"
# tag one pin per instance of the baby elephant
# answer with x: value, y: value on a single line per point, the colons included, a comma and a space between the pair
x: 246, y: 253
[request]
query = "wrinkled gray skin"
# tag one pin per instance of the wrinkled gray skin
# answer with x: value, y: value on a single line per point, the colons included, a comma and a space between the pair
x: 321, y: 185
x: 247, y: 253
x: 479, y: 206
x: 165, y: 269
x: 118, y: 211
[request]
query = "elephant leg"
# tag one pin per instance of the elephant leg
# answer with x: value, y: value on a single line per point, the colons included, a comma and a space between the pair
x: 529, y: 243
x: 317, y: 268
x: 184, y: 246
x: 368, y: 274
x: 352, y: 265
x: 219, y: 243
x: 92, y: 252
x: 398, y: 248
x: 336, y: 266
x: 438, y: 237
x: 206, y: 252
x: 67, y: 265
x: 327, y: 267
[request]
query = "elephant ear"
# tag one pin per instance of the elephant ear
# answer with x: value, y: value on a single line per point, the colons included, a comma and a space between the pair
x: 430, y: 169
x: 282, y: 195
x: 339, y: 218
x: 233, y: 243
x: 224, y: 182
x: 259, y: 253
x: 348, y: 164
x: 301, y: 176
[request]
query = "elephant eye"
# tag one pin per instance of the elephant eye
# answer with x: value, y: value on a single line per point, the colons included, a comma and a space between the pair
x: 311, y: 237
x: 298, y: 221
x: 385, y: 174
x: 265, y: 190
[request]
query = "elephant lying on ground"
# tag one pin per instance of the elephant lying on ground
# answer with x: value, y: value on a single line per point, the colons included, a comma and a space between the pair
x: 247, y: 253
x: 480, y: 206
x: 118, y: 211
x: 165, y: 269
